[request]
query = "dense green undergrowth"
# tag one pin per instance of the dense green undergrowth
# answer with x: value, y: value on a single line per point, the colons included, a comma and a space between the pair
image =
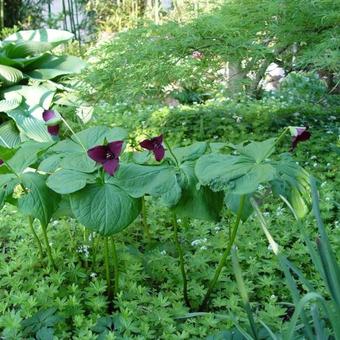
x: 149, y: 304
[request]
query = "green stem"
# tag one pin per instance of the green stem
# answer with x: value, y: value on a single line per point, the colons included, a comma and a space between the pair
x: 30, y: 223
x: 181, y: 262
x: 116, y: 268
x: 48, y: 247
x: 279, y: 139
x: 144, y: 221
x: 171, y: 152
x: 73, y: 133
x: 224, y: 256
x: 107, y: 271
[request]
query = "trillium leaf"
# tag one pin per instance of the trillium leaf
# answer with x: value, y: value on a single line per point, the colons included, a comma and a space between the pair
x: 197, y: 201
x: 189, y: 153
x: 104, y: 208
x: 7, y: 184
x: 38, y: 201
x: 74, y: 156
x: 232, y: 201
x: 139, y: 180
x: 50, y: 164
x: 27, y: 154
x: 258, y: 151
x: 293, y: 184
x: 239, y: 174
x: 67, y: 181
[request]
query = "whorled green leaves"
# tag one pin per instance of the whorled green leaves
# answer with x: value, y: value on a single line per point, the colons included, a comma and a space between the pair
x: 37, y: 199
x: 104, y: 208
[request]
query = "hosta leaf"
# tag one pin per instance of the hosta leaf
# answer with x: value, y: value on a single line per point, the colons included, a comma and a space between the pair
x: 10, y: 75
x: 38, y: 201
x: 10, y: 104
x: 28, y: 115
x: 197, y: 201
x: 139, y: 180
x: 9, y: 135
x: 104, y: 208
x: 55, y: 66
x: 68, y: 181
x: 31, y: 42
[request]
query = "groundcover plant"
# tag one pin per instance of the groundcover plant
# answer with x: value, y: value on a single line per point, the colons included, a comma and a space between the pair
x: 104, y: 187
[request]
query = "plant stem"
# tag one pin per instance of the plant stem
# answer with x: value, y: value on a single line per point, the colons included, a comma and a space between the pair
x: 48, y: 247
x: 116, y: 268
x: 224, y: 256
x: 107, y: 271
x: 144, y: 221
x: 181, y: 262
x: 30, y: 223
x: 171, y: 152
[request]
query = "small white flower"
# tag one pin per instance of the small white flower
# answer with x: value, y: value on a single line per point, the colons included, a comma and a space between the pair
x: 266, y: 214
x: 328, y: 165
x: 204, y: 248
x: 163, y: 252
x: 327, y: 198
x: 93, y: 275
x: 273, y: 297
x: 313, y: 157
x: 315, y: 165
x: 323, y: 184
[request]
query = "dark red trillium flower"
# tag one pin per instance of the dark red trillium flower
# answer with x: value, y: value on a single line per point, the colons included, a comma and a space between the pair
x: 300, y: 134
x: 107, y: 155
x: 1, y: 162
x: 52, y: 122
x: 155, y: 145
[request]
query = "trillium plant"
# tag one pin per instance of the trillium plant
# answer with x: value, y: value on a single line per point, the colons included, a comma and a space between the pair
x: 94, y: 177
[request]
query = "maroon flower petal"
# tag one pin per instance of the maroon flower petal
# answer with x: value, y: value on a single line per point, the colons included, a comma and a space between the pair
x: 159, y: 152
x: 98, y: 153
x: 158, y: 139
x: 48, y: 115
x: 53, y: 130
x: 116, y: 148
x: 1, y: 162
x: 111, y: 166
x: 147, y: 144
x: 301, y: 137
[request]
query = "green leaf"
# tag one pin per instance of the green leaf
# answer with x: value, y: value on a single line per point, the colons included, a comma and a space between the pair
x: 50, y: 164
x: 28, y: 115
x: 10, y: 104
x: 68, y: 181
x: 197, y: 201
x: 74, y: 156
x: 104, y: 208
x: 38, y: 201
x: 233, y: 203
x: 10, y: 75
x: 7, y: 184
x: 9, y: 135
x: 239, y: 174
x: 189, y: 153
x: 139, y: 180
x: 32, y: 42
x: 55, y: 66
x: 292, y: 183
x: 27, y: 155
x: 258, y: 151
